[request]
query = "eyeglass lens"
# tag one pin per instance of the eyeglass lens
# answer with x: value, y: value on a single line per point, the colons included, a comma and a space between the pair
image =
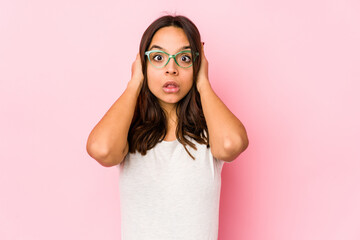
x: 159, y: 59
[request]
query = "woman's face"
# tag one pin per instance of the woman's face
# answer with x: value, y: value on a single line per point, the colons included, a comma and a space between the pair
x: 171, y: 40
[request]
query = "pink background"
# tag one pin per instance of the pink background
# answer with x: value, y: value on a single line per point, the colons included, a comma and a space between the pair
x: 289, y: 71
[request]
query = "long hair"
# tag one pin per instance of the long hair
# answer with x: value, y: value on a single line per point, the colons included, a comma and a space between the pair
x: 148, y: 126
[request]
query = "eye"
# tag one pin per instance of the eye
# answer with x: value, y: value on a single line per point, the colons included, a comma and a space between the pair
x: 158, y: 57
x: 186, y: 58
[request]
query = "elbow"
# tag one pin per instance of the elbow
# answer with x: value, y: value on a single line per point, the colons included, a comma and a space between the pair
x: 232, y: 148
x: 243, y: 144
x: 97, y: 153
x: 101, y: 155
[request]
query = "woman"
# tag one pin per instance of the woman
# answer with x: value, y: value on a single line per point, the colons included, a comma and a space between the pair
x: 170, y: 135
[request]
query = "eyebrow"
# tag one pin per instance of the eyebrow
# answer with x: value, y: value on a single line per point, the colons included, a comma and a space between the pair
x: 156, y: 46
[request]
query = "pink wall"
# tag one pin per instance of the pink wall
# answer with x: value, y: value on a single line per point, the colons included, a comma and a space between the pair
x: 289, y: 71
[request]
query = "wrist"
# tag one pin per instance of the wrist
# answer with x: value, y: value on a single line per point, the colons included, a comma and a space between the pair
x: 135, y: 84
x: 203, y: 85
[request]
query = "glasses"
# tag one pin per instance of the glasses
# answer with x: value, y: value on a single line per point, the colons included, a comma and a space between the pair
x: 160, y: 59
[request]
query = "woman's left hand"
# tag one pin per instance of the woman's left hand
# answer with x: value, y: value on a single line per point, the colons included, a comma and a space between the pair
x: 203, y: 77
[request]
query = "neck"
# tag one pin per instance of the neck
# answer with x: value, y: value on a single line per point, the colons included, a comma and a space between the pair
x: 170, y: 112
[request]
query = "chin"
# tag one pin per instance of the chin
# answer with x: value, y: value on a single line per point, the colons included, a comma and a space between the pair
x: 172, y: 100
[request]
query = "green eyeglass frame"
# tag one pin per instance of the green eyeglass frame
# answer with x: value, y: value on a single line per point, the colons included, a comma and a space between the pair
x: 171, y: 56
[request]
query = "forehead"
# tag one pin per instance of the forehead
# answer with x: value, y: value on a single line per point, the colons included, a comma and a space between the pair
x: 170, y: 38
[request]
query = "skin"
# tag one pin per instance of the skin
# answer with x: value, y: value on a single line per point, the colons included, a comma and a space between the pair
x: 171, y: 39
x: 107, y: 142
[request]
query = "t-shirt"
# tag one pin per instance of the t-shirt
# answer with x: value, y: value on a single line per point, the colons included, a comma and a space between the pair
x: 166, y: 195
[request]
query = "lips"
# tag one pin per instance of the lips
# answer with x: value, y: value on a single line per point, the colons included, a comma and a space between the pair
x: 170, y: 84
x: 171, y: 87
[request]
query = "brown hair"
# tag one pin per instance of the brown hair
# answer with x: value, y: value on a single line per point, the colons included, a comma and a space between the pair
x: 148, y: 125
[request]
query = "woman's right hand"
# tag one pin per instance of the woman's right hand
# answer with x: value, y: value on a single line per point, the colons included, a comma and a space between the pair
x: 136, y: 71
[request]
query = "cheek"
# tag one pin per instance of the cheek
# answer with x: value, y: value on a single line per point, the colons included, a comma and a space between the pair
x: 190, y: 78
x: 152, y: 80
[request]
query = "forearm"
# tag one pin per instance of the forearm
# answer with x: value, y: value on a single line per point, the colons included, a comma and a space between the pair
x: 107, y: 142
x: 227, y: 134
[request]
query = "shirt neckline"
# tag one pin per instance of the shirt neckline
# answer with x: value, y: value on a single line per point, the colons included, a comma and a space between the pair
x: 169, y: 141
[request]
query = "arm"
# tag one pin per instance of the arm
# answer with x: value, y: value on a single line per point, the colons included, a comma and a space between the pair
x: 107, y: 142
x: 227, y: 134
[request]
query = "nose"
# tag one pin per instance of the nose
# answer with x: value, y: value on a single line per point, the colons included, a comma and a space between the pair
x: 171, y: 67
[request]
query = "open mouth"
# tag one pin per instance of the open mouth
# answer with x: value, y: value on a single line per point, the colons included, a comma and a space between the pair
x: 171, y: 87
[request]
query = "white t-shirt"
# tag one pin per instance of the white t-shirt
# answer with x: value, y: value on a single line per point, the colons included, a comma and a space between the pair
x: 166, y: 195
